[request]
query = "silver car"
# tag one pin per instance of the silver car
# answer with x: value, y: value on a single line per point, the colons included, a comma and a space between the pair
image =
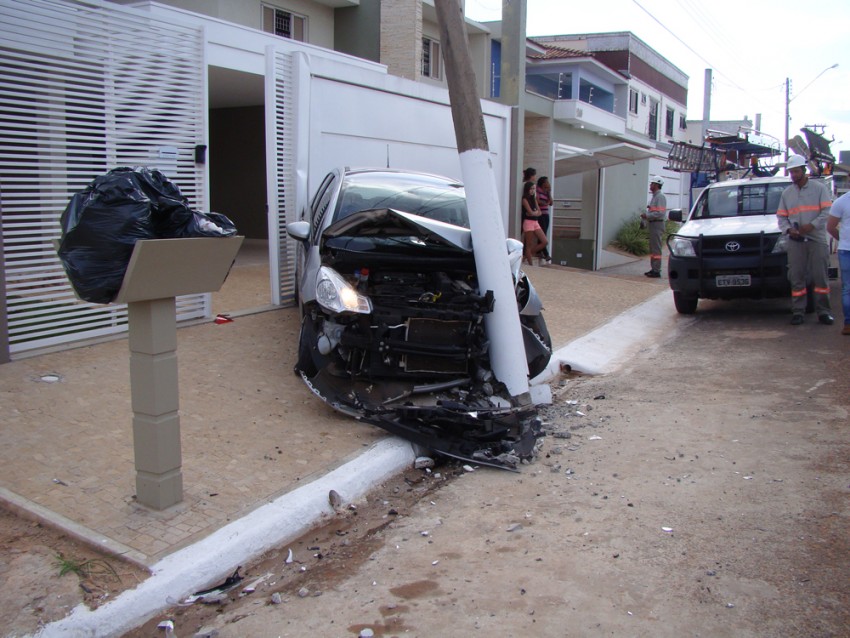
x: 393, y: 321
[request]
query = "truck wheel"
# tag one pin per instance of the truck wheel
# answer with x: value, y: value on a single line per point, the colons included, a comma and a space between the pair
x: 685, y: 305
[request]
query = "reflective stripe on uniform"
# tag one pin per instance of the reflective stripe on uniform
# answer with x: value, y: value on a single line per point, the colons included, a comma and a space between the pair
x: 816, y: 208
x: 798, y: 293
x: 822, y: 291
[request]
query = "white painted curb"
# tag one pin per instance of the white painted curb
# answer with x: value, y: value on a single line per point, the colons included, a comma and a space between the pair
x: 216, y: 556
x: 606, y: 348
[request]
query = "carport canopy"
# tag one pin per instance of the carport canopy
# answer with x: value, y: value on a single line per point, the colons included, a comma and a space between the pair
x: 570, y: 160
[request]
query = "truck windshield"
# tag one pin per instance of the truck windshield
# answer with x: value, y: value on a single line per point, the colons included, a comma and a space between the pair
x: 744, y: 199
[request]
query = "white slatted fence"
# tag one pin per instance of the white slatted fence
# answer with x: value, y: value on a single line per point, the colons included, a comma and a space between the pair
x: 86, y: 86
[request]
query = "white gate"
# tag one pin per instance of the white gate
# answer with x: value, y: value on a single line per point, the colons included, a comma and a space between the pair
x: 86, y: 86
x: 280, y: 163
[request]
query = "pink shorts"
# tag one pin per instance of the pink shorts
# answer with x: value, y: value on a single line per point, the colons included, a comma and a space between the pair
x: 530, y: 225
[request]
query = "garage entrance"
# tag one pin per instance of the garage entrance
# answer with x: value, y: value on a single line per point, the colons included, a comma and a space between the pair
x: 237, y: 169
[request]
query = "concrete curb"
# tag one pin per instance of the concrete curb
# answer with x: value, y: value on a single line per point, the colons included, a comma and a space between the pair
x: 606, y: 348
x: 216, y: 556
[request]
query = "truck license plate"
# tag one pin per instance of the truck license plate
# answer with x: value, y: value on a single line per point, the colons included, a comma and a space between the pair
x: 731, y: 281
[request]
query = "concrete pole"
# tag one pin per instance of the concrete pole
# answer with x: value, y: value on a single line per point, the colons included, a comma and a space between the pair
x: 706, y: 103
x: 507, y: 353
x: 512, y: 93
x: 787, y: 114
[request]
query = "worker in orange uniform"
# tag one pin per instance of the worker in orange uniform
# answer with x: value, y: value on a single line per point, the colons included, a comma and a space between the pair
x: 655, y: 216
x: 802, y: 214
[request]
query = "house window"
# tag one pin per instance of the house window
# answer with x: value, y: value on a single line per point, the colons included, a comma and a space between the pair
x: 431, y: 61
x: 652, y: 129
x: 668, y: 123
x: 284, y: 23
x: 683, y: 124
x: 633, y: 101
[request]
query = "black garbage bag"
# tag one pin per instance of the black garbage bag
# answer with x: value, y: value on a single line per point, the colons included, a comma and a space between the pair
x: 102, y: 223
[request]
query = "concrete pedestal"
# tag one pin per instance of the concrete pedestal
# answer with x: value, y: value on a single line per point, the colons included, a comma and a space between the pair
x: 159, y: 271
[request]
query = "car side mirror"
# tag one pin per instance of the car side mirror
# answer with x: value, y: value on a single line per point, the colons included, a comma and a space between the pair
x: 675, y: 214
x: 298, y: 230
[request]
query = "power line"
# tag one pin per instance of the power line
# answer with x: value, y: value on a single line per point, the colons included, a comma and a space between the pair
x: 685, y: 44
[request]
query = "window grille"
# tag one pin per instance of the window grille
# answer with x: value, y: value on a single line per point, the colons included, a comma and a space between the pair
x: 431, y: 59
x: 633, y: 101
x: 284, y: 23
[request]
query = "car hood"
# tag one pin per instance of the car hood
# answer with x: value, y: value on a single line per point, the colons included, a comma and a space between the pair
x: 386, y: 222
x: 722, y: 226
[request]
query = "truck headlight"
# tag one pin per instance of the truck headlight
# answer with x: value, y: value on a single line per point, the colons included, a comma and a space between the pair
x: 335, y: 294
x: 781, y: 245
x: 681, y: 246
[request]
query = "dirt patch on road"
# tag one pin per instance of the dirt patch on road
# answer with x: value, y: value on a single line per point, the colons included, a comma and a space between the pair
x: 44, y: 574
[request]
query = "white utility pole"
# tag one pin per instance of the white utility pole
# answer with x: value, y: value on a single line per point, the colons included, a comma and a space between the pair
x: 507, y: 352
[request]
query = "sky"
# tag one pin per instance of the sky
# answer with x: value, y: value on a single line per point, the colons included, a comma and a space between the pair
x: 752, y: 47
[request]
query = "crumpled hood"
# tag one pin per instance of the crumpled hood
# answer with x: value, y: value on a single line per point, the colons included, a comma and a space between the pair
x: 722, y: 226
x: 389, y: 222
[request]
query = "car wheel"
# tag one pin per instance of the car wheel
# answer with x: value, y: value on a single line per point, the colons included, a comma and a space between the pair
x: 685, y: 305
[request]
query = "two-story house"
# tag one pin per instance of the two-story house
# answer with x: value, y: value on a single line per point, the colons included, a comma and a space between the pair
x: 598, y: 114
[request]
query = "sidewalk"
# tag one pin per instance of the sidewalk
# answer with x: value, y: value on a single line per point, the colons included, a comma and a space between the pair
x: 251, y: 431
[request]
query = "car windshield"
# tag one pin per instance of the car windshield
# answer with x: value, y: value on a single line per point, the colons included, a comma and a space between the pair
x: 744, y: 199
x: 429, y: 196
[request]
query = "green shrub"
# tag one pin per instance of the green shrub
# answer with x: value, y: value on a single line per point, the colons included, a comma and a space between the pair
x: 632, y: 238
x: 635, y: 240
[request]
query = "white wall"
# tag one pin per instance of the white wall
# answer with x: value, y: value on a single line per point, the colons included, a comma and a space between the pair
x: 360, y: 118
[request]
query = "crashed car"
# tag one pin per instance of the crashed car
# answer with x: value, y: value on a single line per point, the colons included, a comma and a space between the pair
x: 392, y: 328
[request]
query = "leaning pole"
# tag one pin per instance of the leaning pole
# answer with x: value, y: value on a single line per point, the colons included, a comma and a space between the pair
x: 507, y: 353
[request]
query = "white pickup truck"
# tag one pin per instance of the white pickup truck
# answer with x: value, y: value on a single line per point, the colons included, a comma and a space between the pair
x: 730, y: 245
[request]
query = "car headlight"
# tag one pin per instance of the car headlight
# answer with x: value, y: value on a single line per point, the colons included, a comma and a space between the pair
x: 681, y: 246
x: 781, y: 245
x: 335, y: 294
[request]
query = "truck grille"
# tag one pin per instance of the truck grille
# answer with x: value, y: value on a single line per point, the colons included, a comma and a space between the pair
x: 747, y: 245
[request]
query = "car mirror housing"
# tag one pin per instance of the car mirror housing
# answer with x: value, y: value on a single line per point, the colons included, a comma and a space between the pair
x: 298, y: 230
x: 675, y: 215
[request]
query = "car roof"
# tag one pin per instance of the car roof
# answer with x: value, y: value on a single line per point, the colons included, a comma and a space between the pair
x: 360, y: 171
x: 780, y: 179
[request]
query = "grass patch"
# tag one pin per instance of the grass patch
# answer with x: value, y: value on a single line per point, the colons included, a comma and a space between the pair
x: 88, y: 568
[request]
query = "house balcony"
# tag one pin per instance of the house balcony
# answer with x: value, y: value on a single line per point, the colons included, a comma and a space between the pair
x: 587, y: 116
x: 580, y: 100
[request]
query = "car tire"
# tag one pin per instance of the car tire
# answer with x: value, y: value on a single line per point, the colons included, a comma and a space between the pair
x: 685, y: 304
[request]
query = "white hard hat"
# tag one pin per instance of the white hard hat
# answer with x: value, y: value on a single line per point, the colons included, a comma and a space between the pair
x: 655, y: 179
x: 796, y: 161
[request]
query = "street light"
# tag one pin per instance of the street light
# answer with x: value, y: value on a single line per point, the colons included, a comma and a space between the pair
x: 788, y: 100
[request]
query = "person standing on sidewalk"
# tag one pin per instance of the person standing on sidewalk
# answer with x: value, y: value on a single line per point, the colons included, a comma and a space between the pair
x: 544, y: 202
x: 655, y: 216
x: 802, y: 214
x: 534, y: 240
x: 838, y: 225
